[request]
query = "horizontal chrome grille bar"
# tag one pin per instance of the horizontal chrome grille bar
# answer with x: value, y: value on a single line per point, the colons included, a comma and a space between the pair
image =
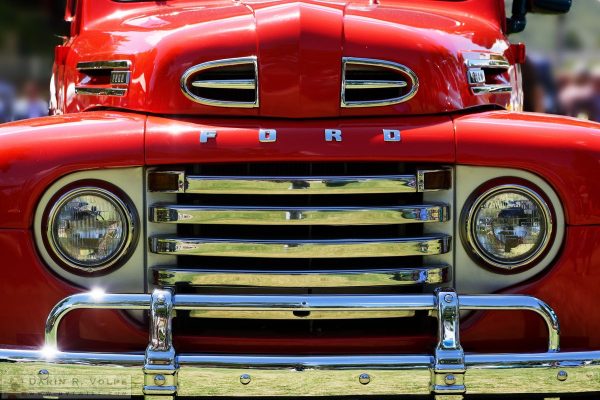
x: 169, y: 276
x: 341, y: 248
x: 373, y: 84
x: 226, y: 84
x: 237, y: 215
x: 179, y: 182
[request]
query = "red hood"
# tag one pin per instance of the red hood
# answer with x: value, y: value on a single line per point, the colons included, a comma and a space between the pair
x: 299, y: 47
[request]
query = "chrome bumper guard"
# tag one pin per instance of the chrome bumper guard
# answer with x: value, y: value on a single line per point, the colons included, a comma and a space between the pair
x: 161, y: 373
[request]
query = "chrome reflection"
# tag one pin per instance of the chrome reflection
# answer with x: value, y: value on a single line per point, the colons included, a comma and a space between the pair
x: 368, y: 91
x: 264, y: 215
x: 509, y: 226
x: 169, y: 276
x: 247, y: 65
x: 340, y: 248
x: 165, y: 372
x: 180, y: 182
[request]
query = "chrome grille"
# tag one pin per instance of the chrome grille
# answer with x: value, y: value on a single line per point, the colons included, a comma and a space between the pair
x: 306, y: 227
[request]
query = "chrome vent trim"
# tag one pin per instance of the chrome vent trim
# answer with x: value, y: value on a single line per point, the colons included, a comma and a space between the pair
x: 124, y: 65
x: 365, y: 88
x: 487, y: 63
x: 117, y: 74
x: 223, y: 88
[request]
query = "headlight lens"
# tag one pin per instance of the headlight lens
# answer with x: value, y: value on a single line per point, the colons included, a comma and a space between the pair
x: 509, y: 226
x: 90, y: 229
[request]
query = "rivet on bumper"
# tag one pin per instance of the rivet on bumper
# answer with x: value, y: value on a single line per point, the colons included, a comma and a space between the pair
x: 562, y: 375
x: 364, y: 379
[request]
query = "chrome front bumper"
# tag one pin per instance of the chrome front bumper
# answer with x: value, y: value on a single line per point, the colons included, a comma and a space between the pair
x: 161, y: 373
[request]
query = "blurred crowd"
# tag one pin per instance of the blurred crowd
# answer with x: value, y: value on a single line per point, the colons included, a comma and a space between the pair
x: 575, y: 92
x: 27, y: 102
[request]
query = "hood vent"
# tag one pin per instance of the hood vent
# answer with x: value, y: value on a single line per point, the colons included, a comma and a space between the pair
x: 223, y: 83
x: 373, y: 83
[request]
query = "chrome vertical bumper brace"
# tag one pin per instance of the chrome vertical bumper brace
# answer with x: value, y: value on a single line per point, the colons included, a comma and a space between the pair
x: 161, y: 373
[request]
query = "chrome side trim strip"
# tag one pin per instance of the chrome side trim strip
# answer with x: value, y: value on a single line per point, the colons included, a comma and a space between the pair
x: 488, y: 63
x: 169, y: 276
x: 490, y: 89
x: 95, y: 91
x: 107, y: 64
x: 226, y: 84
x: 368, y: 62
x: 372, y: 84
x: 190, y: 72
x: 342, y: 248
x: 208, y: 184
x: 237, y: 215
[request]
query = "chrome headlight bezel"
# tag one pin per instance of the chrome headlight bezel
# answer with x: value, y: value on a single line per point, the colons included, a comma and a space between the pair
x: 119, y: 200
x: 468, y: 224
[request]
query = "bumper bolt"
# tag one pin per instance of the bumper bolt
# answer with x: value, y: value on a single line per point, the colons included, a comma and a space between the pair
x: 43, y: 374
x: 450, y: 380
x: 448, y: 298
x: 159, y: 380
x: 562, y: 375
x: 364, y: 379
x: 160, y: 298
x: 245, y: 379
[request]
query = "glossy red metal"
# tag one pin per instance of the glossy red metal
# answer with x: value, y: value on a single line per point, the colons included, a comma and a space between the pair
x: 37, y: 152
x: 563, y: 151
x: 299, y: 46
x: 174, y: 141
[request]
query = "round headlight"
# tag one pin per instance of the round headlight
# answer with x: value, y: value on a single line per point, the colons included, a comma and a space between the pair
x: 90, y: 229
x: 508, y: 226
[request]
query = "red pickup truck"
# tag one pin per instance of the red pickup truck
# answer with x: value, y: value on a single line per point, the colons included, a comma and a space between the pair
x: 267, y: 198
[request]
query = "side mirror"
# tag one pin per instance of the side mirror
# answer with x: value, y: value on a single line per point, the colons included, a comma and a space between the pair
x: 516, y: 23
x: 549, y: 6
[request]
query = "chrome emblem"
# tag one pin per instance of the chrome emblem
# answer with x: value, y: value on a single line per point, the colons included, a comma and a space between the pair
x: 329, y: 135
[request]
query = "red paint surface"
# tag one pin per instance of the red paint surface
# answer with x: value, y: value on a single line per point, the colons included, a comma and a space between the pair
x: 563, y: 151
x: 35, y: 153
x: 299, y: 46
x: 178, y: 141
